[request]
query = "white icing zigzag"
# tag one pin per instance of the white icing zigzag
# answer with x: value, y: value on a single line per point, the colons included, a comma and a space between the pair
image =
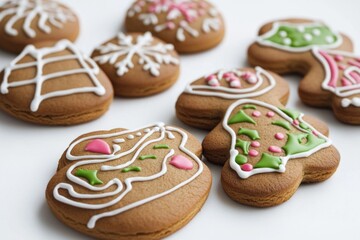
x: 49, y: 12
x: 41, y: 59
x: 150, y: 56
x: 121, y: 189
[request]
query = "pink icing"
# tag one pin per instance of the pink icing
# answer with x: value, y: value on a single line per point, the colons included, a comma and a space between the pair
x: 342, y: 67
x: 270, y: 114
x: 208, y: 78
x: 275, y: 149
x: 235, y: 84
x: 253, y: 153
x: 333, y: 68
x: 256, y: 113
x: 98, y: 146
x: 354, y: 63
x: 338, y: 58
x: 247, y: 167
x: 170, y: 25
x: 296, y: 122
x: 279, y: 136
x: 345, y: 82
x: 356, y: 76
x: 181, y: 162
x: 255, y: 144
x: 315, y: 133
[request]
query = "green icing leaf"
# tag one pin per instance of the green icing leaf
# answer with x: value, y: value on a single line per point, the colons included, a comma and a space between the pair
x: 294, y: 143
x: 304, y: 126
x: 268, y: 161
x: 240, y: 159
x: 244, y: 145
x: 282, y: 123
x: 161, y: 146
x: 291, y: 113
x: 251, y: 133
x: 303, y: 36
x: 143, y: 157
x: 249, y: 106
x: 131, y: 169
x: 90, y: 175
x: 240, y: 117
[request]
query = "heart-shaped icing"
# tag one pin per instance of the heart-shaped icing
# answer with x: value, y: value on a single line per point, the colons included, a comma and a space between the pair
x: 98, y: 146
x: 181, y: 162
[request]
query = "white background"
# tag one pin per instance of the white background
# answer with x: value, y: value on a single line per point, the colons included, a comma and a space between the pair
x: 329, y: 210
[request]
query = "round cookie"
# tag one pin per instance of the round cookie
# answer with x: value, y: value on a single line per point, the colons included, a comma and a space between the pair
x: 24, y: 22
x: 190, y: 25
x: 138, y: 64
x: 54, y: 84
x: 130, y: 184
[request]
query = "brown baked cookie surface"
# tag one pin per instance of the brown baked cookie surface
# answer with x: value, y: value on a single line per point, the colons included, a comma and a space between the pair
x: 190, y: 25
x: 54, y: 84
x: 313, y: 49
x: 24, y: 22
x: 137, y: 64
x: 130, y: 184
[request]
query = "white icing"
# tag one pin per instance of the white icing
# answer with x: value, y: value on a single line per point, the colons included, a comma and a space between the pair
x: 287, y: 41
x: 48, y: 12
x: 346, y: 102
x: 41, y: 59
x: 275, y: 27
x: 233, y: 152
x: 119, y: 140
x: 308, y: 37
x: 138, y: 134
x: 130, y: 136
x: 121, y: 189
x: 151, y: 55
x: 283, y: 34
x: 316, y: 32
x: 329, y: 39
x: 230, y: 93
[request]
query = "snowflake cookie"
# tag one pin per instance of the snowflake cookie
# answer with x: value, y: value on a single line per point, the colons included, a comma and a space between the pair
x: 54, y: 85
x: 138, y: 64
x: 190, y: 25
x: 144, y: 183
x: 24, y: 22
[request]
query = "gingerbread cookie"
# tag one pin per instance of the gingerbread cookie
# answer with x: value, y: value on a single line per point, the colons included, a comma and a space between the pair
x: 54, y: 84
x: 138, y: 64
x: 331, y: 73
x: 130, y: 184
x: 24, y: 22
x: 190, y: 25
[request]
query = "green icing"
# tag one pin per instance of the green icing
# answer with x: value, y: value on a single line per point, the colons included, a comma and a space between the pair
x: 268, y: 161
x: 131, y: 169
x: 291, y: 113
x: 143, y: 157
x: 282, y: 123
x: 244, y: 145
x: 252, y: 134
x: 161, y: 146
x: 240, y: 159
x: 304, y: 126
x: 240, y: 117
x: 294, y: 143
x: 90, y: 175
x: 249, y: 106
x: 303, y: 36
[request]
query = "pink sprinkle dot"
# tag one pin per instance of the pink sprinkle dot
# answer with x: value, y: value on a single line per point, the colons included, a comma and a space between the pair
x: 279, y: 136
x: 253, y: 153
x: 256, y: 113
x: 341, y: 67
x: 247, y: 167
x: 275, y: 149
x: 338, y: 58
x: 270, y: 114
x: 296, y: 122
x: 255, y: 144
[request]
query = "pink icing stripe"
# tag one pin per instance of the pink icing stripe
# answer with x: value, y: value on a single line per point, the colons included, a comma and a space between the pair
x: 342, y: 67
x: 333, y: 68
x: 354, y: 63
x: 345, y: 82
x: 356, y: 76
x: 338, y: 58
x: 98, y: 146
x: 181, y: 162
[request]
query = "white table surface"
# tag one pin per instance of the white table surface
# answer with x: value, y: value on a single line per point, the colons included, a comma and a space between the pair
x: 328, y: 210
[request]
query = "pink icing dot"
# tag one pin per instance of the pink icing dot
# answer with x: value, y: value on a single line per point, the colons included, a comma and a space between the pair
x: 256, y: 113
x: 181, y: 162
x: 275, y: 149
x: 315, y: 133
x: 296, y: 122
x: 341, y: 67
x: 338, y: 58
x: 247, y: 167
x: 203, y: 4
x: 170, y: 25
x: 253, y: 153
x: 270, y: 114
x: 202, y: 12
x: 255, y: 144
x: 279, y: 136
x: 208, y: 78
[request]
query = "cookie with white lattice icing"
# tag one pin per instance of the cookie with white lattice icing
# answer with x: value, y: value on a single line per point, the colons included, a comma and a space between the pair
x: 190, y: 25
x: 268, y: 151
x: 137, y: 64
x: 322, y: 55
x: 54, y: 84
x: 24, y: 22
x: 144, y: 183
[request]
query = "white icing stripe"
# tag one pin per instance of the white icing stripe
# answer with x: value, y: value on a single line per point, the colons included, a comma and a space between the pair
x: 47, y: 11
x: 40, y: 78
x: 284, y: 160
x: 230, y: 93
x: 128, y: 182
x: 151, y: 56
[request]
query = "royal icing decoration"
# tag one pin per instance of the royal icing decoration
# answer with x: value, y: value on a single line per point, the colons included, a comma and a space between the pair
x: 180, y: 158
x: 178, y: 15
x: 342, y: 75
x: 299, y: 141
x: 121, y: 54
x: 98, y: 146
x: 47, y: 13
x: 300, y: 37
x: 42, y: 56
x: 260, y: 83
